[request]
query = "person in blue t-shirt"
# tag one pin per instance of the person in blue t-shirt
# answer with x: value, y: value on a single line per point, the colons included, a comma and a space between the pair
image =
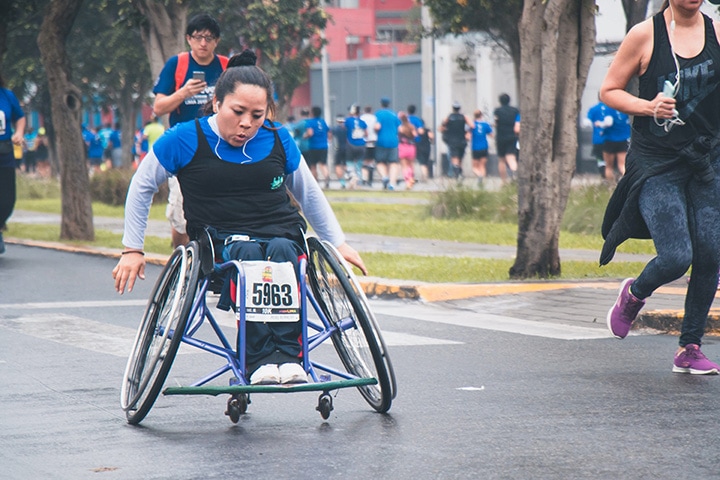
x: 240, y: 174
x: 616, y: 131
x: 356, y: 135
x: 94, y: 146
x: 480, y: 132
x: 12, y: 128
x: 183, y: 103
x: 317, y: 134
x: 115, y: 146
x: 386, y: 147
x: 596, y: 117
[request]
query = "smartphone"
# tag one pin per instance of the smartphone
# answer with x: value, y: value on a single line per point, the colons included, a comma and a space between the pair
x: 199, y: 76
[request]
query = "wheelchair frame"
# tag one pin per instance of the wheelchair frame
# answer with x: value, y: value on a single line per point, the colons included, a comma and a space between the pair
x: 178, y: 304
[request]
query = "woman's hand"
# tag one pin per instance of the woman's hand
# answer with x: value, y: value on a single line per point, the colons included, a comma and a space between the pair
x: 352, y: 256
x: 130, y: 266
x: 663, y: 107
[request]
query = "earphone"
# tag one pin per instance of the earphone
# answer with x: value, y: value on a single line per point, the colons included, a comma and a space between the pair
x: 671, y: 89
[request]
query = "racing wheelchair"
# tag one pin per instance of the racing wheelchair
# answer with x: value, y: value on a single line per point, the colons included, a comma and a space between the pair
x: 177, y: 309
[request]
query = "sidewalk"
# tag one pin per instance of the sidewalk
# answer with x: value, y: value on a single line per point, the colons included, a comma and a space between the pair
x: 577, y: 302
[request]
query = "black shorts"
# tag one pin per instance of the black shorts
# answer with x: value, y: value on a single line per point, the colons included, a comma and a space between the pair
x: 340, y: 157
x: 355, y: 153
x: 615, y: 147
x: 370, y: 153
x: 423, y: 156
x: 314, y: 157
x: 478, y: 154
x: 457, y: 151
x: 597, y: 150
x: 507, y: 147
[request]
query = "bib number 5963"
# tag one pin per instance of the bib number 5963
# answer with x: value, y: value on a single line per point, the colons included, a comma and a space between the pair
x: 272, y: 295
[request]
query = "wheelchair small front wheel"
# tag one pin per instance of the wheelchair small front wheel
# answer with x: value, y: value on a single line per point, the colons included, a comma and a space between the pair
x: 236, y: 406
x: 160, y: 332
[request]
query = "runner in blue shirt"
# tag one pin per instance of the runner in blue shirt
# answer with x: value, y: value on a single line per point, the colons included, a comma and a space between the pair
x: 481, y: 130
x: 356, y: 135
x: 596, y: 116
x: 386, y: 147
x: 12, y: 128
x: 615, y: 146
x: 237, y: 170
x: 317, y: 133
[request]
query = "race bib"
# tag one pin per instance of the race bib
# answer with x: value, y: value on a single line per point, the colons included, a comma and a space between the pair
x: 358, y: 133
x: 271, y: 293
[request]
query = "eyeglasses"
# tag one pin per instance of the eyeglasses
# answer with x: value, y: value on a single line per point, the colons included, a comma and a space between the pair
x: 207, y: 38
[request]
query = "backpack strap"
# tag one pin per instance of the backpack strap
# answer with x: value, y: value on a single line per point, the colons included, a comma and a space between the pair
x: 181, y: 69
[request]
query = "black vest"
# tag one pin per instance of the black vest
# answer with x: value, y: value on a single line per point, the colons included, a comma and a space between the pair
x: 454, y: 133
x: 698, y: 98
x: 249, y: 199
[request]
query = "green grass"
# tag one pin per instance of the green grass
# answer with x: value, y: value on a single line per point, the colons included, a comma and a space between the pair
x: 52, y: 205
x: 470, y: 216
x: 103, y: 238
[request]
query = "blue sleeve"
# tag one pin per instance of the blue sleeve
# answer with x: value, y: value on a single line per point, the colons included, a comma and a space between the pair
x: 165, y: 83
x: 292, y: 153
x: 16, y: 111
x: 176, y: 147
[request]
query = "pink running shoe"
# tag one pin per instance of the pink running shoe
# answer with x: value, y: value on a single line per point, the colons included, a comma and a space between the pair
x: 693, y: 361
x: 625, y: 310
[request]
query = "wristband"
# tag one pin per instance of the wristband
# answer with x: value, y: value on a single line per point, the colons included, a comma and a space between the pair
x: 133, y: 251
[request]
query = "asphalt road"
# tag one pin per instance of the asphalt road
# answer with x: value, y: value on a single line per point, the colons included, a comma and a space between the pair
x: 479, y: 396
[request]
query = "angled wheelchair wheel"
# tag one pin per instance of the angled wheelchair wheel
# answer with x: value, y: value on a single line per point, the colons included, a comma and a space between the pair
x: 357, y: 340
x: 160, y: 332
x: 363, y: 303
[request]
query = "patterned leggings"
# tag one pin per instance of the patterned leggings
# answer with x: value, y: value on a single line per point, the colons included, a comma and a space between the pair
x: 683, y: 216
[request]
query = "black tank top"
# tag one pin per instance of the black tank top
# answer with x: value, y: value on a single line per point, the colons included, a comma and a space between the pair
x: 455, y: 129
x: 249, y: 199
x: 698, y: 97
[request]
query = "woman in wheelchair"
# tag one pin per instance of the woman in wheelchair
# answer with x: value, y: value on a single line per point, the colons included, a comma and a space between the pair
x: 237, y: 170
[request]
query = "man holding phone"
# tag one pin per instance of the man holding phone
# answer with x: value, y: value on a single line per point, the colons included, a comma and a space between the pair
x: 186, y: 83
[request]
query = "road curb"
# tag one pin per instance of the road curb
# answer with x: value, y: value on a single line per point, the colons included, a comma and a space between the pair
x: 670, y: 321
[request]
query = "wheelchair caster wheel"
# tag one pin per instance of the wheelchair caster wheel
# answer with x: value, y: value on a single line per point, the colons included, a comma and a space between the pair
x: 325, y: 406
x: 236, y: 406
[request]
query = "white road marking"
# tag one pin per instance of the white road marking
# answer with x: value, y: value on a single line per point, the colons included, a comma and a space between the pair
x: 85, y: 304
x: 104, y: 337
x: 486, y: 321
x: 74, y: 331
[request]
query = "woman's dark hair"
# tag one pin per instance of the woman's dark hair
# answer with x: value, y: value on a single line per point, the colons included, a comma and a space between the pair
x: 241, y: 70
x: 2, y: 82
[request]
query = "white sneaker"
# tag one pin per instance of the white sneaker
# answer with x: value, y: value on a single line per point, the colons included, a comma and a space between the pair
x: 266, y: 375
x: 292, y: 373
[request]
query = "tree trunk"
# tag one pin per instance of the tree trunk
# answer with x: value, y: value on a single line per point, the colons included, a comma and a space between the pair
x: 163, y: 35
x: 635, y: 12
x: 66, y: 103
x: 557, y: 39
x: 128, y: 108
